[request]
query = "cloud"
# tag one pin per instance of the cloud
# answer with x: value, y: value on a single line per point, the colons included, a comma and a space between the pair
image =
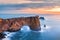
x: 25, y: 5
x: 17, y: 1
x: 57, y: 2
x: 32, y: 11
x: 51, y: 1
x: 46, y: 0
x: 28, y: 6
x: 55, y: 9
x: 26, y: 1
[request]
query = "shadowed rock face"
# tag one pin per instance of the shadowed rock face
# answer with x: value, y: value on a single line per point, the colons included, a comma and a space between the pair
x: 2, y: 35
x: 15, y: 24
x: 42, y: 18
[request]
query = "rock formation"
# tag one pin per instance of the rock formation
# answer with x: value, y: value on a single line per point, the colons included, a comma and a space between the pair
x: 42, y: 18
x: 2, y: 35
x: 15, y: 24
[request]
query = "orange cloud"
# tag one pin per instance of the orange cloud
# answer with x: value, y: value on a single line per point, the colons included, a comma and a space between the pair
x: 45, y: 10
x: 42, y: 10
x: 18, y: 1
x: 11, y: 1
x: 55, y: 9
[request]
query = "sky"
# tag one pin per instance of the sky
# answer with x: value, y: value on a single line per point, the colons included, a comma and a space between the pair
x: 30, y: 6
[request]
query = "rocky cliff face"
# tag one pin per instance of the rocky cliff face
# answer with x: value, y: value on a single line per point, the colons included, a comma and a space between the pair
x: 15, y: 24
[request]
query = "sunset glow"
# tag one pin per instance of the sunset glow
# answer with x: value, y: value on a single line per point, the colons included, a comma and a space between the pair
x: 55, y: 9
x: 35, y: 11
x: 18, y: 1
x: 42, y: 10
x: 29, y: 7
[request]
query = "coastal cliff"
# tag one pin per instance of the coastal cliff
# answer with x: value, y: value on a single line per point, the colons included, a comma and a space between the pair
x: 15, y: 24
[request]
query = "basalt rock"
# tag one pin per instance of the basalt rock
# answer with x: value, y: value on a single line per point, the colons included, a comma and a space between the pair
x: 15, y: 24
x: 2, y: 35
x: 42, y: 18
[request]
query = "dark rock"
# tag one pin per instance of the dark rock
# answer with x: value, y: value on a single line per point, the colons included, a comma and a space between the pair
x: 42, y: 18
x: 11, y: 30
x: 44, y: 25
x: 2, y: 35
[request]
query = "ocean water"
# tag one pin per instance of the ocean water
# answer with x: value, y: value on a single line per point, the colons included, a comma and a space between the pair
x: 50, y: 32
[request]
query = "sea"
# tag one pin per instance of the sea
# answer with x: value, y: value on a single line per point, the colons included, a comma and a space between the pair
x: 50, y: 32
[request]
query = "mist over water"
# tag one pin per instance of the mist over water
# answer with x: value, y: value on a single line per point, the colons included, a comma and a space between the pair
x: 50, y: 32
